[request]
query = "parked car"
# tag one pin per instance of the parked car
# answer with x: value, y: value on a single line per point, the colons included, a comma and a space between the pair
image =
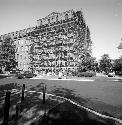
x: 111, y: 74
x: 15, y: 71
x: 26, y: 74
x: 29, y: 74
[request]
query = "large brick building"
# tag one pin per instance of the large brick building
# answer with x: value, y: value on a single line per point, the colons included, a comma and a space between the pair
x: 58, y: 42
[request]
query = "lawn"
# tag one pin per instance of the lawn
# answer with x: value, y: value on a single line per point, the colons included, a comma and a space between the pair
x: 102, y: 95
x: 27, y: 111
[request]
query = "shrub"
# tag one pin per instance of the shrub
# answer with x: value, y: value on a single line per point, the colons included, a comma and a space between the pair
x: 86, y: 74
x: 119, y: 73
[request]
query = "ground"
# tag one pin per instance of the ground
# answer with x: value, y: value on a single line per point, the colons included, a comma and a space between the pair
x: 99, y: 93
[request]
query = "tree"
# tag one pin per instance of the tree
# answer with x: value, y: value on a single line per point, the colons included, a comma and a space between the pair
x: 88, y: 63
x: 105, y: 64
x: 118, y: 66
x: 8, y: 54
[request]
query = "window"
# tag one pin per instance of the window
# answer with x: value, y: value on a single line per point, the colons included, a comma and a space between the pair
x: 20, y: 56
x: 16, y: 49
x: 21, y: 41
x: 25, y: 41
x: 24, y: 65
x: 21, y: 48
x: 26, y: 48
x: 17, y: 56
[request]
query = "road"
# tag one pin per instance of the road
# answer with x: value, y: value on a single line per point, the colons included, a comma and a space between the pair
x: 101, y: 93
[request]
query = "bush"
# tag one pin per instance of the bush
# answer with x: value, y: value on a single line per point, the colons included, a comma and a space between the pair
x: 119, y: 73
x: 86, y: 74
x: 1, y: 71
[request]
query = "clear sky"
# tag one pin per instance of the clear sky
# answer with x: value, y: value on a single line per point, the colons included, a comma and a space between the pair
x: 104, y: 18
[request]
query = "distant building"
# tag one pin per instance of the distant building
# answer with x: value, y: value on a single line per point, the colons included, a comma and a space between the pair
x: 57, y: 43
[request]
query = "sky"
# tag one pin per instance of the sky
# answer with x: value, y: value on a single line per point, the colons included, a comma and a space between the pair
x: 104, y: 18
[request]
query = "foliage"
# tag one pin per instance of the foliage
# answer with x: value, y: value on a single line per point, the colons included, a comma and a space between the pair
x: 86, y: 74
x: 87, y: 63
x: 8, y: 54
x: 105, y: 64
x: 118, y: 66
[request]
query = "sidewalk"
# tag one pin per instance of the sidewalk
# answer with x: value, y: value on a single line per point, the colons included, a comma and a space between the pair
x: 118, y: 77
x: 63, y: 78
x: 101, y: 74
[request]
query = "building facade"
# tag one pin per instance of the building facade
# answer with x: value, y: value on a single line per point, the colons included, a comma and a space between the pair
x: 57, y: 43
x: 22, y: 56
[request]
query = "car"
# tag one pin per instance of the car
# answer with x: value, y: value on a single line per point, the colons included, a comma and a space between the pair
x: 26, y: 74
x: 29, y: 74
x: 15, y: 71
x: 111, y: 74
x: 20, y: 75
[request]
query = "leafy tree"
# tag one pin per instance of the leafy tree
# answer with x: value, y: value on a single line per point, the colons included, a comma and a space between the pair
x: 105, y: 64
x: 118, y: 65
x: 8, y: 54
x: 88, y: 63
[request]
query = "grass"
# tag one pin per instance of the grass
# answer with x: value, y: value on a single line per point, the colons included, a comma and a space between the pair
x: 29, y: 110
x: 32, y: 111
x: 66, y: 89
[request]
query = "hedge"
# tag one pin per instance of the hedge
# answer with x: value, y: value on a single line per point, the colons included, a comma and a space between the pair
x: 86, y: 74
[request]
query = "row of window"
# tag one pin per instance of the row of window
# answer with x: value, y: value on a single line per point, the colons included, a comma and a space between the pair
x: 21, y: 57
x: 23, y: 48
x: 23, y: 66
x: 22, y: 42
x: 59, y: 62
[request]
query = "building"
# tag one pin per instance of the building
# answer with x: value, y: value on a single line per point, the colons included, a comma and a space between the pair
x: 22, y: 56
x: 22, y: 44
x: 57, y: 43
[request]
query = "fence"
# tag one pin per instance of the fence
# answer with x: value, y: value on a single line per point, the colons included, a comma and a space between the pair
x: 18, y: 105
x: 44, y: 94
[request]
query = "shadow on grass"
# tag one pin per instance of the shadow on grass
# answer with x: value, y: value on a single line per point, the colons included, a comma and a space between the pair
x: 28, y: 111
x: 3, y: 89
x: 69, y: 94
x: 39, y: 87
x: 69, y: 114
x: 31, y: 111
x: 9, y: 86
x: 63, y: 92
x: 2, y: 76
